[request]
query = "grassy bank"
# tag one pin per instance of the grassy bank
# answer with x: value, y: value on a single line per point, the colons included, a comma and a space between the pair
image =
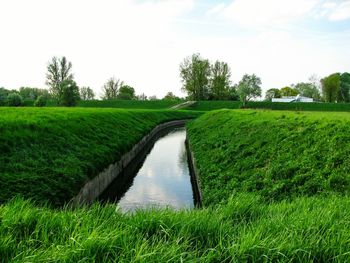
x: 244, y: 230
x: 316, y: 106
x: 276, y: 154
x: 48, y: 154
x: 275, y: 188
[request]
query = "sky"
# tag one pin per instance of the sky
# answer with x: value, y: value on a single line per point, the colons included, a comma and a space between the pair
x: 143, y: 42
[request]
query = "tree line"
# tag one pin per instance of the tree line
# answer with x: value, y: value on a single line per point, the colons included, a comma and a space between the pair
x: 203, y: 80
x: 64, y: 90
x: 332, y: 88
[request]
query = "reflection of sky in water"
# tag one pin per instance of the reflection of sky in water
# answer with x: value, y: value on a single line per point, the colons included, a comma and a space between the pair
x: 164, y: 178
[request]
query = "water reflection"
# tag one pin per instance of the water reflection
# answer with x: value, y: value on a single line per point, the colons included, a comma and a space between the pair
x: 164, y: 178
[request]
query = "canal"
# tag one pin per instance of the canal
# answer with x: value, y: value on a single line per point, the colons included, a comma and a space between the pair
x: 160, y: 177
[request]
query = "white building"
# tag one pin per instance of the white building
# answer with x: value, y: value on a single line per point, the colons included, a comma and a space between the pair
x: 297, y: 98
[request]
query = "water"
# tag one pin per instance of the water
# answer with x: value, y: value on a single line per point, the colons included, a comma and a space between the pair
x: 160, y: 179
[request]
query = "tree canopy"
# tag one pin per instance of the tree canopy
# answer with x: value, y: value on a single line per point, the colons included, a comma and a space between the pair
x: 126, y: 92
x: 288, y: 91
x: 195, y: 72
x: 344, y: 88
x: 202, y: 80
x: 330, y: 87
x: 170, y: 96
x: 111, y: 88
x: 220, y: 81
x: 58, y: 71
x: 272, y: 93
x: 69, y: 93
x: 307, y: 90
x: 248, y: 88
x: 86, y: 93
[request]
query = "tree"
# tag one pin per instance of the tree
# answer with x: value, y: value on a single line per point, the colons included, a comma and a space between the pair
x: 170, y: 96
x: 58, y: 71
x: 195, y: 73
x: 141, y: 97
x: 308, y: 90
x: 29, y: 93
x: 248, y: 88
x: 344, y: 89
x: 3, y: 95
x: 272, y: 93
x: 40, y: 101
x: 69, y: 95
x: 153, y: 97
x: 14, y: 99
x: 110, y: 88
x: 288, y: 91
x: 126, y: 93
x: 330, y: 87
x: 232, y: 93
x: 220, y: 81
x: 86, y: 93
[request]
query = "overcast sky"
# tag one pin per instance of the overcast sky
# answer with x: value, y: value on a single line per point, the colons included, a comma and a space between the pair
x: 143, y: 41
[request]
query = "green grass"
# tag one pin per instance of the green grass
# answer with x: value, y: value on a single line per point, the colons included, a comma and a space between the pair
x: 277, y: 154
x: 48, y: 154
x: 314, y: 106
x: 122, y: 104
x: 263, y: 202
x: 245, y: 229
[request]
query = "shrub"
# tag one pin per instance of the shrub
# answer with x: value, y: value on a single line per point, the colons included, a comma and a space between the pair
x: 40, y: 101
x: 69, y: 93
x: 14, y: 99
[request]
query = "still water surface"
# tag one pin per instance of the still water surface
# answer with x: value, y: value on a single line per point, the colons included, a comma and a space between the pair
x: 163, y: 179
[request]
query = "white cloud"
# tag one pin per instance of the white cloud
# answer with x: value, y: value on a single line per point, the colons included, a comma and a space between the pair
x: 259, y: 14
x: 217, y: 9
x: 126, y: 38
x: 340, y: 12
x: 143, y: 42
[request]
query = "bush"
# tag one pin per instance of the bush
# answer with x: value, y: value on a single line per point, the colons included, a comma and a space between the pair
x: 40, y: 101
x: 69, y: 95
x: 14, y: 99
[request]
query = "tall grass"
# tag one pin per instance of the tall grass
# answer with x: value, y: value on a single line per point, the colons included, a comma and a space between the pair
x: 244, y: 229
x: 259, y: 171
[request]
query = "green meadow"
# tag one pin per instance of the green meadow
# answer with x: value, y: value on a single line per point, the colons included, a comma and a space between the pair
x: 277, y: 154
x: 275, y: 187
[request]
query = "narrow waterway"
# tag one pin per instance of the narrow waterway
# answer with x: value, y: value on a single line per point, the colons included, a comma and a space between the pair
x: 160, y: 178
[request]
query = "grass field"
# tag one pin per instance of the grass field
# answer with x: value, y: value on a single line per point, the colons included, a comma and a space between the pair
x: 274, y: 153
x: 244, y: 230
x: 48, y: 154
x: 316, y: 106
x: 275, y: 188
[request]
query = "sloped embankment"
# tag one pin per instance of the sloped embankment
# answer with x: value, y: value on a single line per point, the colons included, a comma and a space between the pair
x: 244, y: 228
x: 279, y: 155
x: 48, y: 154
